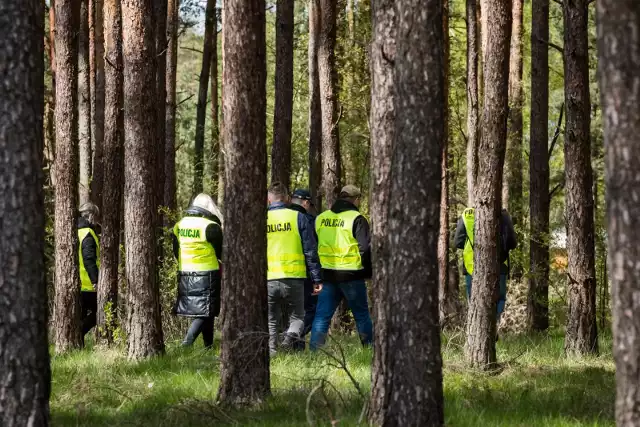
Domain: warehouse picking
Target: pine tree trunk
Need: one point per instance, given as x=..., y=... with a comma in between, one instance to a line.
x=538, y=297
x=582, y=335
x=327, y=76
x=201, y=111
x=315, y=113
x=144, y=328
x=480, y=349
x=221, y=158
x=114, y=176
x=512, y=180
x=215, y=131
x=67, y=297
x=618, y=53
x=244, y=376
x=50, y=135
x=84, y=103
x=170, y=120
x=283, y=109
x=25, y=379
x=160, y=13
x=96, y=31
x=412, y=374
x=383, y=53
x=473, y=135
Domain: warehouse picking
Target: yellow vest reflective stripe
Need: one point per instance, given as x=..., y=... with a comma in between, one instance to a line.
x=85, y=281
x=468, y=217
x=285, y=257
x=337, y=247
x=195, y=254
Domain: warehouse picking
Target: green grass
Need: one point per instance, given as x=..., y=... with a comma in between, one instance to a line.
x=537, y=387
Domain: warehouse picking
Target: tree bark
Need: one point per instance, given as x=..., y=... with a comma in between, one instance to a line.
x=619, y=53
x=67, y=297
x=221, y=161
x=84, y=103
x=582, y=335
x=328, y=79
x=412, y=374
x=480, y=349
x=25, y=377
x=144, y=328
x=170, y=120
x=160, y=12
x=201, y=111
x=244, y=376
x=512, y=181
x=283, y=109
x=383, y=54
x=473, y=136
x=96, y=31
x=113, y=166
x=215, y=131
x=538, y=296
x=315, y=113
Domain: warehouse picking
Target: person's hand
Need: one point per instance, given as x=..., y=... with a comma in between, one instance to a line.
x=317, y=288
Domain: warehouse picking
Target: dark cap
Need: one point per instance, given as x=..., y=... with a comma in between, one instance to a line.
x=301, y=194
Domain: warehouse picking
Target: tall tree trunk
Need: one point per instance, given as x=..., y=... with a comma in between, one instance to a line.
x=50, y=105
x=96, y=31
x=383, y=54
x=67, y=297
x=315, y=113
x=473, y=107
x=283, y=109
x=143, y=310
x=221, y=158
x=173, y=9
x=84, y=103
x=582, y=335
x=327, y=77
x=412, y=374
x=538, y=297
x=25, y=381
x=201, y=111
x=244, y=375
x=619, y=53
x=480, y=349
x=448, y=295
x=215, y=131
x=160, y=12
x=113, y=167
x=512, y=181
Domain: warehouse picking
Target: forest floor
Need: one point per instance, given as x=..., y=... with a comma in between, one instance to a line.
x=536, y=386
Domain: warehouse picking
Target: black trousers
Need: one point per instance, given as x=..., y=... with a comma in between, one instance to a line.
x=200, y=325
x=89, y=307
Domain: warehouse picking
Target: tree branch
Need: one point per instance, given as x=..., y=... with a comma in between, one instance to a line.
x=560, y=2
x=556, y=188
x=192, y=49
x=185, y=100
x=556, y=134
x=550, y=44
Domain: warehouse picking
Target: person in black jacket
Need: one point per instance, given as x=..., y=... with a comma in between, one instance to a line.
x=197, y=244
x=508, y=242
x=89, y=263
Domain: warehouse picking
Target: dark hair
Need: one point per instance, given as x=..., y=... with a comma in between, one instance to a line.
x=279, y=190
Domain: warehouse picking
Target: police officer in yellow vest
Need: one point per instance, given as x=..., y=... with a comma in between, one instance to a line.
x=89, y=263
x=292, y=253
x=345, y=254
x=464, y=239
x=197, y=244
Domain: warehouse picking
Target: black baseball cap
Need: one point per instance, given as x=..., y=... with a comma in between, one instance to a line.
x=301, y=193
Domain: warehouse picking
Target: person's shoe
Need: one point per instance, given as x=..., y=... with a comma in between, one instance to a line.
x=289, y=342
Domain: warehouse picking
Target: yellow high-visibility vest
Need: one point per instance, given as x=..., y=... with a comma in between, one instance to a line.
x=196, y=253
x=85, y=281
x=337, y=247
x=468, y=217
x=285, y=256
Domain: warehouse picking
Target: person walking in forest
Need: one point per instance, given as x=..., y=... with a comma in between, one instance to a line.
x=197, y=245
x=292, y=257
x=89, y=263
x=301, y=202
x=464, y=239
x=344, y=247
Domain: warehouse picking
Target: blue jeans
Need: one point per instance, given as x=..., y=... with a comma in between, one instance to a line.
x=356, y=295
x=502, y=292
